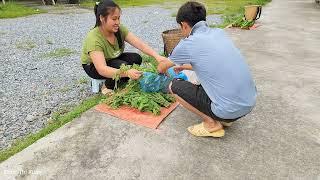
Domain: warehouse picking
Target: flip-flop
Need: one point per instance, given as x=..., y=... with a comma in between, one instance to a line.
x=199, y=130
x=106, y=91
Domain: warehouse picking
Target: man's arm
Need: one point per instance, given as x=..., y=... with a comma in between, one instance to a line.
x=178, y=69
x=187, y=67
x=180, y=55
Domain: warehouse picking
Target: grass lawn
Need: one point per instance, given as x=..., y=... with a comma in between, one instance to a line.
x=230, y=9
x=13, y=10
x=60, y=52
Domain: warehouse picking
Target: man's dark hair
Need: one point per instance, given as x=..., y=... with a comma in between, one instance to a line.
x=191, y=12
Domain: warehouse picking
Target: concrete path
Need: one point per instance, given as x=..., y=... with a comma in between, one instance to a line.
x=280, y=139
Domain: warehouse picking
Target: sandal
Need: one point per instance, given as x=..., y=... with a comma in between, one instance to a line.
x=199, y=130
x=106, y=91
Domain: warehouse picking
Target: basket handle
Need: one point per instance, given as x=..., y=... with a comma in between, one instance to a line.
x=165, y=50
x=259, y=13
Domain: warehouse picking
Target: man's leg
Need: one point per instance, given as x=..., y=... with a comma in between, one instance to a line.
x=194, y=98
x=210, y=124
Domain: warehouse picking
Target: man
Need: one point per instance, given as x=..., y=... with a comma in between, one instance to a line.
x=227, y=91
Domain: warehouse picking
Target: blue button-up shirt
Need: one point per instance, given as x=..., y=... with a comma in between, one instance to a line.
x=221, y=69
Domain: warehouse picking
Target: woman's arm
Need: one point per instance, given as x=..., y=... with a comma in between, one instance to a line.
x=107, y=71
x=142, y=46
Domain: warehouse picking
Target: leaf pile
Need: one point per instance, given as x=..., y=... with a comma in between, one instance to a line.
x=133, y=96
x=243, y=24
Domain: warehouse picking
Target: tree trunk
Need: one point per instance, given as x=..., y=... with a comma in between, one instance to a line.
x=3, y=2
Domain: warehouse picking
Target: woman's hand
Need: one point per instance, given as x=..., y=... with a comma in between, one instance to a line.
x=134, y=74
x=161, y=58
x=162, y=68
x=164, y=64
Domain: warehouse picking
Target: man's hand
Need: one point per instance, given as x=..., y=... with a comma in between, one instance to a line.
x=178, y=69
x=134, y=74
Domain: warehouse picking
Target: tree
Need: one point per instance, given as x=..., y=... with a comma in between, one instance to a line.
x=3, y=2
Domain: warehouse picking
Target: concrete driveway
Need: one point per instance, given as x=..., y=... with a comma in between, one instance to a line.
x=280, y=139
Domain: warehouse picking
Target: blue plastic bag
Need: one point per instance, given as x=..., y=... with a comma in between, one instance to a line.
x=151, y=82
x=180, y=75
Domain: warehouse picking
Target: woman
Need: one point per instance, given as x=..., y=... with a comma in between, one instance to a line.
x=102, y=53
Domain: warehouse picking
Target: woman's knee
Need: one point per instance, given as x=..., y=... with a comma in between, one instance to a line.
x=116, y=63
x=136, y=58
x=131, y=58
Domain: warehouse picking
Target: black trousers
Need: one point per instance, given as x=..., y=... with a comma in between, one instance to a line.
x=124, y=58
x=197, y=97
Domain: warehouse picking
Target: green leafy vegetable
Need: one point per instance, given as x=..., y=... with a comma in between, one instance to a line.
x=132, y=95
x=242, y=23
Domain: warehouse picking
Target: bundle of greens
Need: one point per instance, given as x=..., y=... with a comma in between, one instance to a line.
x=242, y=23
x=133, y=96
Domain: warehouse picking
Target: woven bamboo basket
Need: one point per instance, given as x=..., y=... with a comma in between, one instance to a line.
x=170, y=40
x=252, y=12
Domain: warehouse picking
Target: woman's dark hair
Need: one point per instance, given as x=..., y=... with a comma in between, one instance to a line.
x=104, y=8
x=191, y=12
